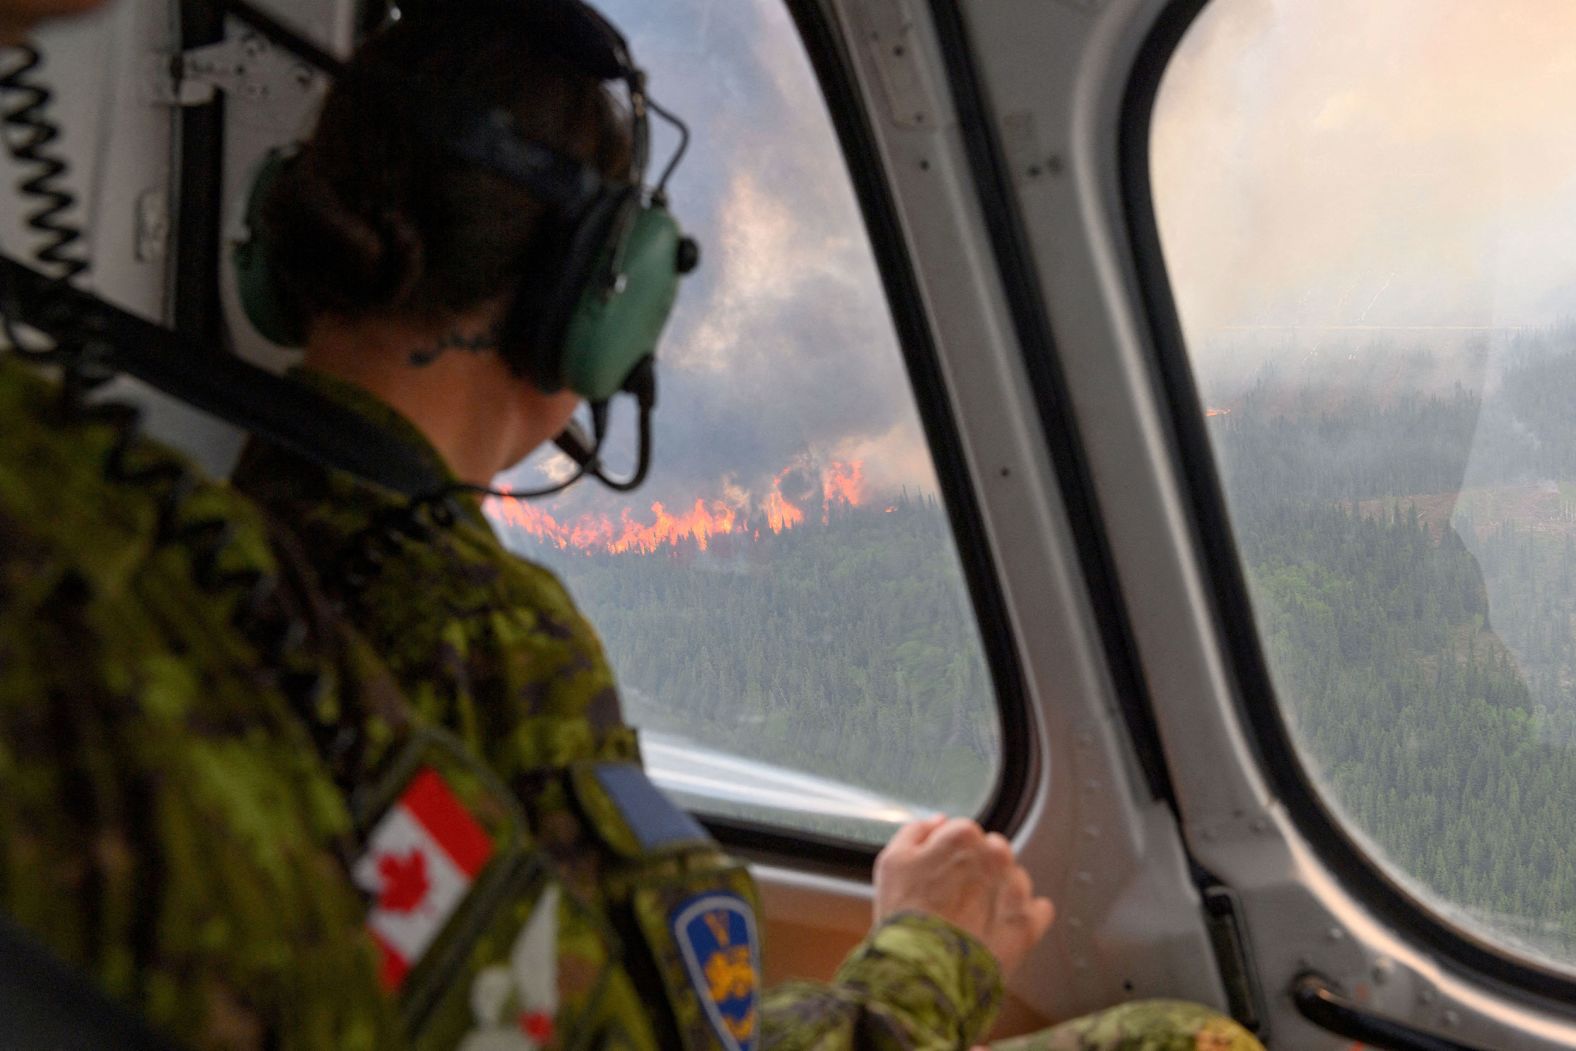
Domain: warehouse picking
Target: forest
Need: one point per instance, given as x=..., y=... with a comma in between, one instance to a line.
x=1411, y=556
x=1409, y=539
x=844, y=648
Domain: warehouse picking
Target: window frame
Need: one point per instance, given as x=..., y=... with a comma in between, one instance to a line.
x=1031, y=319
x=1008, y=802
x=1508, y=970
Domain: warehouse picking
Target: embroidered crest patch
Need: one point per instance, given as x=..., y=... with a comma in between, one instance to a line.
x=420, y=861
x=716, y=935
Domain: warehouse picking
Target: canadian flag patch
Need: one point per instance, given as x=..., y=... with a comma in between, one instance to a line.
x=421, y=859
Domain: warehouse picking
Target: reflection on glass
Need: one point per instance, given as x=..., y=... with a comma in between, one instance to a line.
x=1367, y=213
x=782, y=599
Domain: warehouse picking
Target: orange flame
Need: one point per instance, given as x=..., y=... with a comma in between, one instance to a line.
x=1217, y=412
x=699, y=524
x=844, y=483
x=533, y=520
x=706, y=520
x=780, y=514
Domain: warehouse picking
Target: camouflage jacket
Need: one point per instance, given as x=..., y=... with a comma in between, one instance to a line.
x=491, y=648
x=167, y=823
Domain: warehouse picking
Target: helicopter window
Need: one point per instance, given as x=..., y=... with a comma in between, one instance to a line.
x=1364, y=209
x=782, y=600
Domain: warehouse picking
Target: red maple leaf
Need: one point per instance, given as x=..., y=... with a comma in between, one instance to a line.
x=538, y=1025
x=405, y=882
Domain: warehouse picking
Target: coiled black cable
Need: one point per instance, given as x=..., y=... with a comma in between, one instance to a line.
x=30, y=136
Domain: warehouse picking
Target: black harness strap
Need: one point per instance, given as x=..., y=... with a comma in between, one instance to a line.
x=254, y=399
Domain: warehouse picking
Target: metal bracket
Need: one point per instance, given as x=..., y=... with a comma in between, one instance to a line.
x=245, y=67
x=890, y=34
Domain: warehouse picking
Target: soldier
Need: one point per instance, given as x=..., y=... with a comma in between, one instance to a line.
x=214, y=802
x=425, y=271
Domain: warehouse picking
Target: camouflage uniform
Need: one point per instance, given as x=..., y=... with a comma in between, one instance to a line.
x=198, y=763
x=166, y=821
x=1144, y=1025
x=491, y=648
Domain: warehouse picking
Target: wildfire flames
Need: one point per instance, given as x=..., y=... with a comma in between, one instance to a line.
x=841, y=484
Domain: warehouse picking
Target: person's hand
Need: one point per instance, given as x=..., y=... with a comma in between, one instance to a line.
x=953, y=869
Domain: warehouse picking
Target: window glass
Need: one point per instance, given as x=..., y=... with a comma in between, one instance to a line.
x=1368, y=213
x=782, y=600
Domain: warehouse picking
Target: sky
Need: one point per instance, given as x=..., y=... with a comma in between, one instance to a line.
x=1315, y=163
x=1395, y=163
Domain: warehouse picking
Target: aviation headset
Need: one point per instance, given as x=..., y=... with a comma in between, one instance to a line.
x=595, y=330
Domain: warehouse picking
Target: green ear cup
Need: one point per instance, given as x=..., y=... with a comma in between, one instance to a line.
x=255, y=279
x=611, y=332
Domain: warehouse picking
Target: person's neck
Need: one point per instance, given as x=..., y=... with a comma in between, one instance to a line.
x=446, y=381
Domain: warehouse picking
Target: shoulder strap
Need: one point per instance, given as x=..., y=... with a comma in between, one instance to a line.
x=254, y=399
x=45, y=1004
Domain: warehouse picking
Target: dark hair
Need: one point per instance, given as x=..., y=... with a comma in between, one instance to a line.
x=372, y=218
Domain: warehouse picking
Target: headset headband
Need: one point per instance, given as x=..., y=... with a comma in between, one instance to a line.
x=487, y=136
x=491, y=140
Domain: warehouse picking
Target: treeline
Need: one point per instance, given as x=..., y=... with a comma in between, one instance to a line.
x=1272, y=457
x=1304, y=440
x=846, y=649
